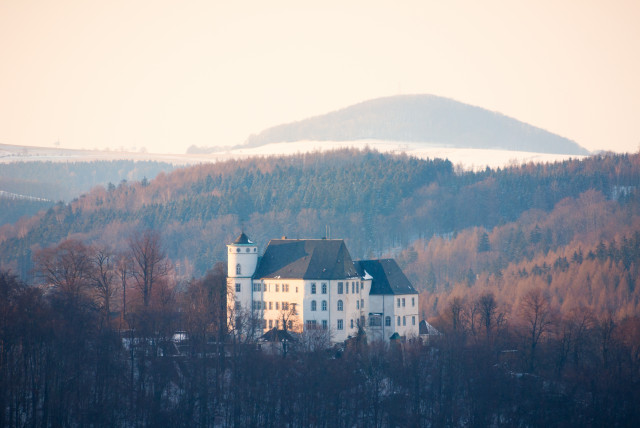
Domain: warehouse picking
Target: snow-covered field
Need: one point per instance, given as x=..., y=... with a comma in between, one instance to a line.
x=466, y=158
x=474, y=159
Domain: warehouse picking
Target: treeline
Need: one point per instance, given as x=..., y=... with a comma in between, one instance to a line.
x=97, y=347
x=375, y=202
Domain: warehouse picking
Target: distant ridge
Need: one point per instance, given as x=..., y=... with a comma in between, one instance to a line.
x=421, y=118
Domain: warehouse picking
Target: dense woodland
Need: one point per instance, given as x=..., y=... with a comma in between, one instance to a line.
x=529, y=272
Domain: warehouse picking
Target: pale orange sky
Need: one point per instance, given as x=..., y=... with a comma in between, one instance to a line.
x=168, y=74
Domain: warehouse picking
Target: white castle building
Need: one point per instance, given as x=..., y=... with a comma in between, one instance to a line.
x=314, y=284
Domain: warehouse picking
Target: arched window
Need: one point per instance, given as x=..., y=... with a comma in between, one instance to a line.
x=387, y=321
x=238, y=269
x=340, y=305
x=324, y=305
x=313, y=305
x=324, y=288
x=313, y=288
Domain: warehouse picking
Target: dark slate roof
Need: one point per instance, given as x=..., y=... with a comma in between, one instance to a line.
x=276, y=335
x=388, y=278
x=243, y=240
x=306, y=259
x=425, y=328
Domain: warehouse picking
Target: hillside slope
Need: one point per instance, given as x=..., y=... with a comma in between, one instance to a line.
x=421, y=118
x=376, y=202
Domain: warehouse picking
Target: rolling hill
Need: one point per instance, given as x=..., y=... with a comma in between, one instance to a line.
x=429, y=119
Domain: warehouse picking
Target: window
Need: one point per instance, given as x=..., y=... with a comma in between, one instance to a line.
x=277, y=323
x=277, y=306
x=256, y=286
x=293, y=308
x=357, y=304
x=340, y=285
x=353, y=287
x=313, y=305
x=237, y=287
x=375, y=321
x=248, y=250
x=404, y=320
x=361, y=303
x=324, y=324
x=270, y=323
x=347, y=287
x=413, y=301
x=340, y=325
x=313, y=288
x=398, y=302
x=238, y=306
x=277, y=288
x=238, y=269
x=358, y=287
x=340, y=305
x=296, y=289
x=413, y=320
x=324, y=305
x=285, y=288
x=403, y=302
x=270, y=305
x=387, y=321
x=285, y=306
x=311, y=324
x=257, y=304
x=351, y=323
x=324, y=288
x=399, y=322
x=264, y=323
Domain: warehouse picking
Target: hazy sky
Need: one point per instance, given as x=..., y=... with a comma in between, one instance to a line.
x=169, y=74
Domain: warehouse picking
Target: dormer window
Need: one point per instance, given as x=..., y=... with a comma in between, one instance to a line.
x=238, y=269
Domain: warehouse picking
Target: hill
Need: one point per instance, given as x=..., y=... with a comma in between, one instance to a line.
x=530, y=273
x=426, y=119
x=377, y=202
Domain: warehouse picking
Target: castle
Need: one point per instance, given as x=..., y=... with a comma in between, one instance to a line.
x=305, y=284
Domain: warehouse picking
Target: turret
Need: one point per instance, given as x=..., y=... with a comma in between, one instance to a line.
x=242, y=257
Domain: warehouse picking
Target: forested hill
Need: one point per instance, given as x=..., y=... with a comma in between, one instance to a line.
x=421, y=118
x=376, y=202
x=27, y=187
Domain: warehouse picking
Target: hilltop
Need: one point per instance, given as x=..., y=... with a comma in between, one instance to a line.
x=428, y=119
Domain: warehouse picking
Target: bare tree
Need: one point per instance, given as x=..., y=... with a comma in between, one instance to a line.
x=535, y=310
x=490, y=316
x=66, y=267
x=149, y=261
x=124, y=268
x=103, y=274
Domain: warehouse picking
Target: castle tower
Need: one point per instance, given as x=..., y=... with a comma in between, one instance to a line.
x=241, y=265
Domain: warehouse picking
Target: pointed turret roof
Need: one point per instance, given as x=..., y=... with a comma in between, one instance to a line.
x=243, y=240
